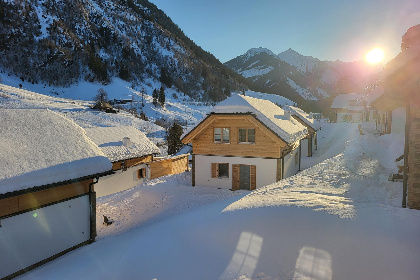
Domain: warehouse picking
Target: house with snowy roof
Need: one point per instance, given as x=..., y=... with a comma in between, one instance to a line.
x=129, y=150
x=310, y=143
x=245, y=143
x=349, y=107
x=47, y=201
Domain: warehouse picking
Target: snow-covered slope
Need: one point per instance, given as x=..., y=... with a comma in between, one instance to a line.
x=340, y=219
x=177, y=108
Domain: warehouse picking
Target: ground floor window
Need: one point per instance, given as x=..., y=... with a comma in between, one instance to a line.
x=141, y=173
x=220, y=170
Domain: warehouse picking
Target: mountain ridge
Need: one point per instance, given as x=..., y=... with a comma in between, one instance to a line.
x=303, y=79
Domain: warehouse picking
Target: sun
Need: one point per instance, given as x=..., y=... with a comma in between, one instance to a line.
x=375, y=56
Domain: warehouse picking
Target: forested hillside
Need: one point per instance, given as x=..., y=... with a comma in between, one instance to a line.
x=59, y=43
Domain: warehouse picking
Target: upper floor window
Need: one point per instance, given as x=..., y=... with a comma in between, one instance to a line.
x=221, y=135
x=246, y=135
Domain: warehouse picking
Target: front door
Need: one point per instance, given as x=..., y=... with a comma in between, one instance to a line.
x=244, y=177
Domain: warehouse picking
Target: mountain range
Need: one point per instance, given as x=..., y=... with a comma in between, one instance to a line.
x=303, y=79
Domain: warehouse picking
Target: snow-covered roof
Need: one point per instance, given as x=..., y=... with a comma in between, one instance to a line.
x=305, y=117
x=110, y=140
x=265, y=111
x=348, y=101
x=39, y=147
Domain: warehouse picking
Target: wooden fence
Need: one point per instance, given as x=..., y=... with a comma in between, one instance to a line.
x=168, y=166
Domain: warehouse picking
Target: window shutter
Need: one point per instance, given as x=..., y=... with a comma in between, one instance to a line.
x=214, y=170
x=235, y=177
x=253, y=177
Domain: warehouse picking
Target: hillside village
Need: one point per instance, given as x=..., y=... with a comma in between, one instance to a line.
x=147, y=158
x=126, y=196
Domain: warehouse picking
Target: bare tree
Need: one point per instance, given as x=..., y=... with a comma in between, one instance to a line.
x=102, y=96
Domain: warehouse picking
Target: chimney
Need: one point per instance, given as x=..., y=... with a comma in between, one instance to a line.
x=126, y=142
x=287, y=115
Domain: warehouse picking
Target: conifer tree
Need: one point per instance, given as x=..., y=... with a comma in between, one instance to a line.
x=161, y=96
x=155, y=96
x=174, y=138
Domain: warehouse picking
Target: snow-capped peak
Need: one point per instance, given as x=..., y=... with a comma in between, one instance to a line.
x=301, y=62
x=255, y=51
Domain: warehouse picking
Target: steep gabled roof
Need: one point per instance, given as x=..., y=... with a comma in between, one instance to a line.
x=268, y=113
x=110, y=140
x=39, y=147
x=344, y=100
x=305, y=117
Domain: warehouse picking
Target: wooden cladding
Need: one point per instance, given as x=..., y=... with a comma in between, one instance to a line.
x=168, y=166
x=214, y=170
x=27, y=201
x=253, y=177
x=413, y=194
x=267, y=144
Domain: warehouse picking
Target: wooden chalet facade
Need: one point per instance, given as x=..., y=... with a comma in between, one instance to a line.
x=390, y=114
x=47, y=196
x=239, y=147
x=400, y=80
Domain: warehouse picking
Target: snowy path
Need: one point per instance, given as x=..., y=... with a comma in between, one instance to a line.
x=357, y=174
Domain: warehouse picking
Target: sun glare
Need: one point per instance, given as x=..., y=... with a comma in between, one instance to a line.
x=375, y=56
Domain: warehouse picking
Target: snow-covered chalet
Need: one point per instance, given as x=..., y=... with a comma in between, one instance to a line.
x=245, y=143
x=47, y=199
x=349, y=107
x=129, y=150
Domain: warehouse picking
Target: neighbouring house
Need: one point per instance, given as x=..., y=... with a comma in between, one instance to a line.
x=390, y=114
x=129, y=150
x=47, y=199
x=104, y=106
x=349, y=107
x=400, y=80
x=310, y=143
x=245, y=143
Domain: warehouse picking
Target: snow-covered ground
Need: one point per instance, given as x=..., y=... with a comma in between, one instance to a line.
x=340, y=218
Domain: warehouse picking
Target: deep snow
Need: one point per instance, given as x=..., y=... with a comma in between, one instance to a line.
x=339, y=219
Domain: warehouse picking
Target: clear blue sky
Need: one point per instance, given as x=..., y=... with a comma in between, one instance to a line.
x=325, y=29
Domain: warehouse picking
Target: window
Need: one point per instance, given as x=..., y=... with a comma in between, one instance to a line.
x=221, y=135
x=141, y=173
x=220, y=170
x=246, y=135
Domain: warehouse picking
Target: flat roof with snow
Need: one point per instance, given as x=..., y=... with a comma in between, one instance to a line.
x=110, y=140
x=349, y=101
x=305, y=117
x=40, y=147
x=265, y=111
